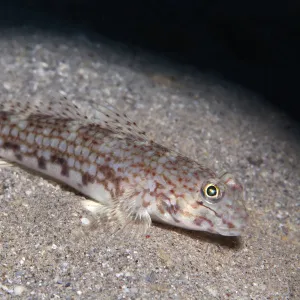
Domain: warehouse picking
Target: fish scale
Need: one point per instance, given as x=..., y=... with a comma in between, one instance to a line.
x=129, y=178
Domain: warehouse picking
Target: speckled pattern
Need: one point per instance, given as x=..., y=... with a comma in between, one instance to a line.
x=109, y=159
x=51, y=248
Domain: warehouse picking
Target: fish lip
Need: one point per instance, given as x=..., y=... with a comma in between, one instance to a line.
x=235, y=223
x=229, y=233
x=225, y=231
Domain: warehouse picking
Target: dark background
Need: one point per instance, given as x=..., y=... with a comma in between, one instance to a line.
x=253, y=43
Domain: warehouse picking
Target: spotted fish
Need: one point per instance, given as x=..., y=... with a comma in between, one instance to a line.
x=129, y=178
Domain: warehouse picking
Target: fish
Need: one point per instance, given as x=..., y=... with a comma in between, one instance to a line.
x=126, y=177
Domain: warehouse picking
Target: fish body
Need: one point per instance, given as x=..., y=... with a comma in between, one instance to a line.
x=101, y=153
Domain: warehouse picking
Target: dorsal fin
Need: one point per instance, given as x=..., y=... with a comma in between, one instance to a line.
x=104, y=115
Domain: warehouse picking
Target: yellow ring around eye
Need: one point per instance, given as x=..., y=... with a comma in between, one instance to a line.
x=211, y=191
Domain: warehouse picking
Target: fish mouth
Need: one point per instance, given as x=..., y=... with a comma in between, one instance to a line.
x=225, y=232
x=229, y=225
x=233, y=228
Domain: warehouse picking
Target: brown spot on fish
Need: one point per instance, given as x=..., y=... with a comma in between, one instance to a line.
x=119, y=190
x=19, y=156
x=199, y=220
x=62, y=162
x=57, y=160
x=173, y=209
x=11, y=146
x=109, y=173
x=4, y=116
x=65, y=169
x=87, y=178
x=42, y=163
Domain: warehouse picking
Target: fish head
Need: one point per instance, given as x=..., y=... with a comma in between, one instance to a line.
x=216, y=205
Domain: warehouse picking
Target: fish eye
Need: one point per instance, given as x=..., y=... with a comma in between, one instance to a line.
x=211, y=191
